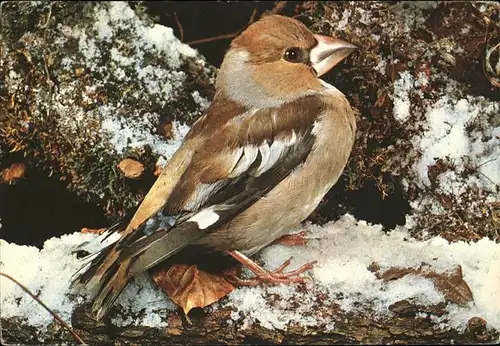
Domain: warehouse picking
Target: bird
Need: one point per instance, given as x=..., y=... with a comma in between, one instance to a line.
x=272, y=143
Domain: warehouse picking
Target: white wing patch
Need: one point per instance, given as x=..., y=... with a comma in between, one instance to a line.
x=203, y=191
x=236, y=157
x=205, y=218
x=265, y=154
x=273, y=154
x=292, y=139
x=249, y=155
x=270, y=155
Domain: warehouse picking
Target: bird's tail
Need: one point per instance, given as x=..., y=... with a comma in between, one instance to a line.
x=112, y=267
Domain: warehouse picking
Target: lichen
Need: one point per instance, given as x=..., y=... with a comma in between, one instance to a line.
x=411, y=55
x=70, y=68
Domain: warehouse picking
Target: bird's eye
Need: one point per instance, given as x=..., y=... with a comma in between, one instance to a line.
x=295, y=55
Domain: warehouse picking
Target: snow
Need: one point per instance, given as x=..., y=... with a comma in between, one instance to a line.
x=463, y=130
x=123, y=135
x=364, y=16
x=342, y=24
x=381, y=66
x=132, y=55
x=457, y=135
x=200, y=100
x=49, y=274
x=402, y=87
x=150, y=310
x=446, y=135
x=253, y=304
x=344, y=250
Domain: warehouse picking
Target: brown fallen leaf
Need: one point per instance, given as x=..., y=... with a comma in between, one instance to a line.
x=91, y=230
x=168, y=130
x=131, y=168
x=190, y=287
x=395, y=273
x=158, y=169
x=450, y=284
x=79, y=71
x=14, y=172
x=174, y=324
x=374, y=267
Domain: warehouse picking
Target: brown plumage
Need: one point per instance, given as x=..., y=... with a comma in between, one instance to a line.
x=273, y=142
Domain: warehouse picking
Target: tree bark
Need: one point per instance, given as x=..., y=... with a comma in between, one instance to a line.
x=403, y=327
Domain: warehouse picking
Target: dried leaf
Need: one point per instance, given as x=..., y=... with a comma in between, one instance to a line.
x=374, y=267
x=403, y=308
x=168, y=130
x=131, y=168
x=451, y=285
x=79, y=71
x=453, y=237
x=491, y=65
x=190, y=287
x=395, y=273
x=91, y=230
x=174, y=326
x=476, y=325
x=12, y=173
x=158, y=169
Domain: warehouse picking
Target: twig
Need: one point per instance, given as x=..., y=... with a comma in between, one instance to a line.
x=487, y=161
x=56, y=316
x=224, y=36
x=252, y=16
x=45, y=26
x=278, y=7
x=484, y=175
x=181, y=30
x=215, y=38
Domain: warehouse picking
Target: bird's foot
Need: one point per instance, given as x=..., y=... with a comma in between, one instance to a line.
x=265, y=276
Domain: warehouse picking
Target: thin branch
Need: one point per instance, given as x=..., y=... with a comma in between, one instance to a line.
x=252, y=17
x=278, y=7
x=179, y=26
x=484, y=175
x=215, y=38
x=487, y=161
x=224, y=36
x=56, y=316
x=46, y=25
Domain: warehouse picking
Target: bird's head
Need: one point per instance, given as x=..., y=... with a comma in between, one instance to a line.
x=277, y=59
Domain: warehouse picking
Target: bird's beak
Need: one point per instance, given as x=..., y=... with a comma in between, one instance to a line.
x=329, y=52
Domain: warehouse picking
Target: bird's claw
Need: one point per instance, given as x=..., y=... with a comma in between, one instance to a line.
x=274, y=277
x=296, y=239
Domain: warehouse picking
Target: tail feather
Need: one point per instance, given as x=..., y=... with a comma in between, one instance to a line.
x=92, y=264
x=167, y=246
x=111, y=286
x=111, y=269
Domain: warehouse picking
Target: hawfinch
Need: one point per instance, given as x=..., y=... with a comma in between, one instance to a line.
x=273, y=142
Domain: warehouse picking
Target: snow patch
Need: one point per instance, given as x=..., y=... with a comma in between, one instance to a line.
x=344, y=251
x=447, y=135
x=123, y=134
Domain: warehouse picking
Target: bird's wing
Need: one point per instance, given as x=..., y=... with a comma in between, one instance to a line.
x=237, y=164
